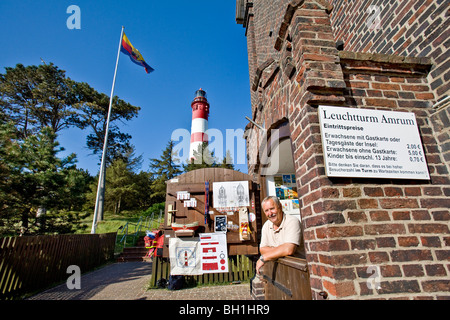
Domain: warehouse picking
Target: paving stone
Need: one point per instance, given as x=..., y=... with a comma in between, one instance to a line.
x=128, y=281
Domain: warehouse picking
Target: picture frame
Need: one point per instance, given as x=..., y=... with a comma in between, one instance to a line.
x=220, y=224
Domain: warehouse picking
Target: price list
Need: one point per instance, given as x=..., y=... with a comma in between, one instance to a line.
x=415, y=153
x=370, y=143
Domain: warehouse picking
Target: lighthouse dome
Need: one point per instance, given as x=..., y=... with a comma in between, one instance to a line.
x=200, y=93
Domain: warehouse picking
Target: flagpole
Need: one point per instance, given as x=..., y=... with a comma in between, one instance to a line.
x=101, y=176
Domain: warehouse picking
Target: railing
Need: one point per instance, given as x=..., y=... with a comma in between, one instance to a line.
x=141, y=225
x=123, y=232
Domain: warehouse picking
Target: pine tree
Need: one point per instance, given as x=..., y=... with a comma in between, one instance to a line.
x=33, y=178
x=202, y=158
x=34, y=97
x=227, y=161
x=119, y=184
x=38, y=96
x=162, y=170
x=92, y=112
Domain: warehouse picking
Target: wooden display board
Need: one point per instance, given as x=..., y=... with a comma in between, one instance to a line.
x=193, y=182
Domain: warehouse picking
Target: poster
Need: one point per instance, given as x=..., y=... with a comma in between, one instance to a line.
x=185, y=258
x=220, y=223
x=231, y=194
x=367, y=143
x=214, y=253
x=196, y=256
x=284, y=187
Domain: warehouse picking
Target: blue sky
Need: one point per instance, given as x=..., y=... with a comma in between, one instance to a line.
x=190, y=44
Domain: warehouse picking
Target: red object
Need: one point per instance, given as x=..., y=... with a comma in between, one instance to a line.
x=199, y=136
x=209, y=243
x=159, y=245
x=200, y=105
x=190, y=226
x=148, y=241
x=155, y=245
x=210, y=266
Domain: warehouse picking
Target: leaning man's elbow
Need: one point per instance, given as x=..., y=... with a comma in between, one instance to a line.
x=291, y=250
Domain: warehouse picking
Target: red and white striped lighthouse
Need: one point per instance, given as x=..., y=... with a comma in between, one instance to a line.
x=200, y=114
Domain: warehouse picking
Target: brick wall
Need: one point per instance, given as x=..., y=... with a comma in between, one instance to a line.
x=262, y=19
x=418, y=28
x=261, y=26
x=355, y=230
x=397, y=228
x=441, y=127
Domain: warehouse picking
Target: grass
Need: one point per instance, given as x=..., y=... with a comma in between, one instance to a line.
x=112, y=222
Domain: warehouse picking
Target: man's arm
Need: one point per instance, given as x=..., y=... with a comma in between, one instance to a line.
x=273, y=253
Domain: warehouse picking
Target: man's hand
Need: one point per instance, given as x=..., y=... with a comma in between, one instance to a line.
x=259, y=265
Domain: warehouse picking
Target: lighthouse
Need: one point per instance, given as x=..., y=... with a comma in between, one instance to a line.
x=200, y=114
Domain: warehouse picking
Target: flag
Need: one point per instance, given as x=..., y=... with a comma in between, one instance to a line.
x=135, y=56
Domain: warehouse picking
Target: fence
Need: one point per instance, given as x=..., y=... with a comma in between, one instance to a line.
x=241, y=268
x=286, y=279
x=32, y=263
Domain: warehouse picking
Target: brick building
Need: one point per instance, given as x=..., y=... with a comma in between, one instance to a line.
x=360, y=54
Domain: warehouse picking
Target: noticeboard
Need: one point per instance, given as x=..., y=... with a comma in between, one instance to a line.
x=367, y=143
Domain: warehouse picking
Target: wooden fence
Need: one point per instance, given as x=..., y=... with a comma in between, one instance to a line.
x=240, y=268
x=286, y=279
x=32, y=263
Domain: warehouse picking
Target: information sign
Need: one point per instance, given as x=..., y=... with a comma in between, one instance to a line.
x=367, y=143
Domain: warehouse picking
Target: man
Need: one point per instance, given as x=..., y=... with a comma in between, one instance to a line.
x=281, y=233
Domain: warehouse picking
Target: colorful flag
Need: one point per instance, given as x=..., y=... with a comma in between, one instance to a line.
x=134, y=54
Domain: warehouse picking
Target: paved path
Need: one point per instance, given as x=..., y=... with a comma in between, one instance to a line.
x=128, y=281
